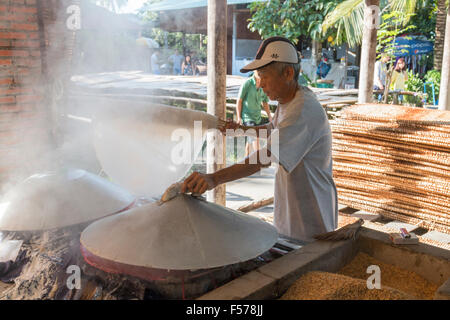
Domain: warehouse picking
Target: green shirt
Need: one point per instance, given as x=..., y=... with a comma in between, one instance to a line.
x=252, y=100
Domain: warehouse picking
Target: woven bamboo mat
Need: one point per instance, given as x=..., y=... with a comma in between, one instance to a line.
x=431, y=205
x=396, y=114
x=394, y=164
x=392, y=150
x=390, y=212
x=428, y=186
x=410, y=208
x=394, y=161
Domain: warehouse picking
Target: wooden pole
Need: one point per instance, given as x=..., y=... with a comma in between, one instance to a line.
x=217, y=73
x=368, y=51
x=444, y=93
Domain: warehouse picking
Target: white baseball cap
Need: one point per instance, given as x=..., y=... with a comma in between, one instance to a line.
x=273, y=49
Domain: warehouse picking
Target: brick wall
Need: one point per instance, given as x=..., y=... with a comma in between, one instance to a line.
x=23, y=117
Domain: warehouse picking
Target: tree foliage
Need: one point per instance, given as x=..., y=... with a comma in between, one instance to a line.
x=193, y=43
x=291, y=18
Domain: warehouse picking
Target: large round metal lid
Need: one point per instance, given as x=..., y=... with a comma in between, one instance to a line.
x=59, y=199
x=182, y=234
x=147, y=147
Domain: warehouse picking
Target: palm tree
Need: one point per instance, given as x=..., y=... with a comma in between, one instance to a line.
x=440, y=33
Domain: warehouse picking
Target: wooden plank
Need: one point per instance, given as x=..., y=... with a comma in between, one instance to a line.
x=256, y=205
x=216, y=94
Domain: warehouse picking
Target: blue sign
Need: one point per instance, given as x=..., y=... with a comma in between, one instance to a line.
x=412, y=46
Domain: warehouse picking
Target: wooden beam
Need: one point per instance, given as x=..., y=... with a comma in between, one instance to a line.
x=368, y=51
x=216, y=96
x=444, y=94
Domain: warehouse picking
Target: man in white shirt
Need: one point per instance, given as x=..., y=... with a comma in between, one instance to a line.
x=154, y=61
x=379, y=75
x=176, y=60
x=305, y=197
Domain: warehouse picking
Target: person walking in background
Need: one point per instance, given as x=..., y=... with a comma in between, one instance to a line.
x=188, y=67
x=250, y=100
x=154, y=61
x=379, y=76
x=399, y=77
x=176, y=59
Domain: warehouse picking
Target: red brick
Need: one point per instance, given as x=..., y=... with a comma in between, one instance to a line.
x=24, y=26
x=33, y=35
x=24, y=99
x=24, y=9
x=7, y=81
x=25, y=43
x=17, y=53
x=15, y=90
x=18, y=1
x=27, y=62
x=13, y=35
x=31, y=2
x=19, y=17
x=17, y=108
x=36, y=53
x=5, y=43
x=7, y=99
x=5, y=62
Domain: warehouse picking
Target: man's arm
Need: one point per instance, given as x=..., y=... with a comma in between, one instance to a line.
x=199, y=183
x=267, y=109
x=239, y=110
x=261, y=131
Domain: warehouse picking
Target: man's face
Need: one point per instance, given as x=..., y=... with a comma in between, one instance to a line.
x=257, y=79
x=272, y=83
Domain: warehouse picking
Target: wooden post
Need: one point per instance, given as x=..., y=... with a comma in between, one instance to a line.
x=217, y=76
x=368, y=51
x=444, y=93
x=315, y=56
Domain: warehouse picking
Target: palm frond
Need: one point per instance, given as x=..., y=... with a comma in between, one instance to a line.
x=408, y=7
x=349, y=17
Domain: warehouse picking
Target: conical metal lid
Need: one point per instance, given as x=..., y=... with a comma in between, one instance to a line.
x=59, y=199
x=182, y=234
x=146, y=147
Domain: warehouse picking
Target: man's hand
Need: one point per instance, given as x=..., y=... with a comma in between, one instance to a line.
x=198, y=183
x=229, y=124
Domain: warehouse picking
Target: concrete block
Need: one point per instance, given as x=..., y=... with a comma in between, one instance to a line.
x=396, y=225
x=443, y=292
x=367, y=216
x=437, y=236
x=253, y=285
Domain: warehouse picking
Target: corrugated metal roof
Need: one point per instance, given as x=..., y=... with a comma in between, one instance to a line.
x=188, y=4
